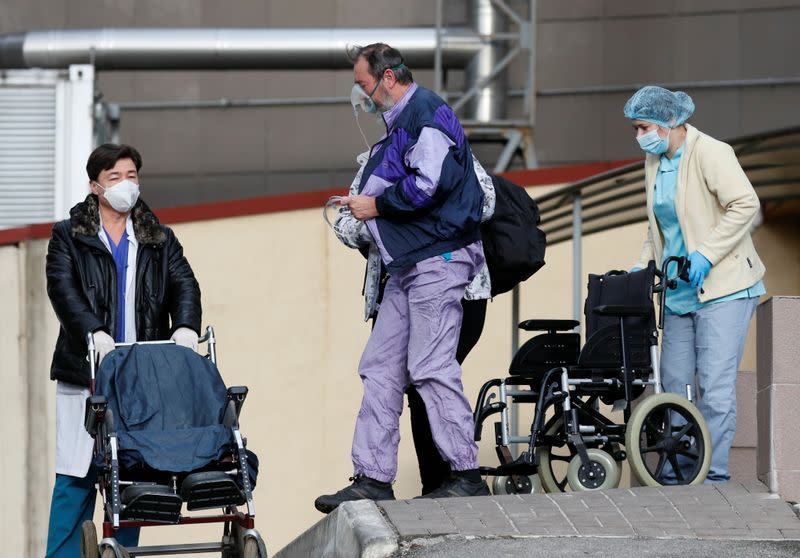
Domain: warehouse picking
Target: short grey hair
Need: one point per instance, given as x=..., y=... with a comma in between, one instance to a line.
x=381, y=57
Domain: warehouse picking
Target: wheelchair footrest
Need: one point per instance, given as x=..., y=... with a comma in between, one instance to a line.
x=151, y=502
x=515, y=468
x=210, y=489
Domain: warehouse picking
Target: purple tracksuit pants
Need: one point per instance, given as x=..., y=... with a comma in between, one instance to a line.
x=414, y=342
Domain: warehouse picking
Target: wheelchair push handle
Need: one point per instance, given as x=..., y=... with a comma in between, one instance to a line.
x=671, y=283
x=208, y=337
x=683, y=273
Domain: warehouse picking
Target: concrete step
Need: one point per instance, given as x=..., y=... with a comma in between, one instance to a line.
x=726, y=518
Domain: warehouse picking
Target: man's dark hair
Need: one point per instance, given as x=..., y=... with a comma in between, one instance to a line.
x=381, y=57
x=107, y=155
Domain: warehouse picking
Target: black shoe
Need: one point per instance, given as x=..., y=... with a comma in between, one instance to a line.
x=459, y=486
x=363, y=488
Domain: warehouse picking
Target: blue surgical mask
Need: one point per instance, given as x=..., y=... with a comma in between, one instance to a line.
x=651, y=142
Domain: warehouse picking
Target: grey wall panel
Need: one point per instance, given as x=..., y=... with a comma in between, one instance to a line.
x=693, y=6
x=574, y=9
x=701, y=55
x=638, y=50
x=767, y=108
x=718, y=113
x=770, y=43
x=242, y=14
x=199, y=154
x=570, y=54
x=637, y=8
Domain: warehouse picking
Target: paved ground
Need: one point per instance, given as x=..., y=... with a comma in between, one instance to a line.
x=593, y=547
x=729, y=511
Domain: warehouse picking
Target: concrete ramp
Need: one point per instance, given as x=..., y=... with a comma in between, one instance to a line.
x=709, y=520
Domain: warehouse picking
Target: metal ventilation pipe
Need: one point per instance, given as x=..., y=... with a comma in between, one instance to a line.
x=490, y=102
x=229, y=49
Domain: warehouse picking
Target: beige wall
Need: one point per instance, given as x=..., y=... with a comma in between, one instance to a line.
x=284, y=297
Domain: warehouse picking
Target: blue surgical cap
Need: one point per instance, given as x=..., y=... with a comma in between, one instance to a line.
x=659, y=106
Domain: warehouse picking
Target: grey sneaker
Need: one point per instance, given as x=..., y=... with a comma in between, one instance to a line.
x=459, y=486
x=363, y=488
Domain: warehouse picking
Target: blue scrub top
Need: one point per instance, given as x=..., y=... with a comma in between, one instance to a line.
x=120, y=254
x=683, y=299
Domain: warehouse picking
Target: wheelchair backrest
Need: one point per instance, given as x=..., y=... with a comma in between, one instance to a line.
x=602, y=346
x=541, y=353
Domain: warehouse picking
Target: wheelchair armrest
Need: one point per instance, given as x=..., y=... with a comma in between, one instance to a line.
x=548, y=325
x=95, y=414
x=235, y=397
x=622, y=311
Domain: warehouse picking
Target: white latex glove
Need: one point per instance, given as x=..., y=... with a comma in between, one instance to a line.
x=185, y=337
x=103, y=344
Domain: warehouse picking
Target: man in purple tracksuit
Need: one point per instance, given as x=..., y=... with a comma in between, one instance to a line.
x=421, y=201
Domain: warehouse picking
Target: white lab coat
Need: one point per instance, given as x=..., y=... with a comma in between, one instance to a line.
x=73, y=443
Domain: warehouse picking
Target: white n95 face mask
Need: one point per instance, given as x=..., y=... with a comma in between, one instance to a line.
x=121, y=196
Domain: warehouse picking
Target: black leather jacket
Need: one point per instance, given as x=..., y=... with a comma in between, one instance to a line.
x=81, y=284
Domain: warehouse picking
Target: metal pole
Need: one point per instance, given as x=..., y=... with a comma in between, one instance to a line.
x=576, y=257
x=624, y=88
x=502, y=164
x=486, y=85
x=514, y=139
x=514, y=320
x=225, y=103
x=438, y=82
x=483, y=85
x=530, y=94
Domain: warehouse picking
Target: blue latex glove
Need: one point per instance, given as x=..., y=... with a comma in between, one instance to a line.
x=699, y=267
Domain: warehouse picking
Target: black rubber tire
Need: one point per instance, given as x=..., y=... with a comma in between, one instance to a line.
x=650, y=415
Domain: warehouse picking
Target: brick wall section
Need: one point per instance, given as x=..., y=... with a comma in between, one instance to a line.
x=778, y=395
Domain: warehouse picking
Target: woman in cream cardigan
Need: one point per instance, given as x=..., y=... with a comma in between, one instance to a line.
x=700, y=205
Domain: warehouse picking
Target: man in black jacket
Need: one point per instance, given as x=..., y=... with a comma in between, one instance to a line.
x=115, y=272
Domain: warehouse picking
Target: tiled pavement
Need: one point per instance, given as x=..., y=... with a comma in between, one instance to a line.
x=729, y=511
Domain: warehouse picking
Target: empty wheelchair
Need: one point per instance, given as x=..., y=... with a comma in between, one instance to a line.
x=572, y=444
x=167, y=436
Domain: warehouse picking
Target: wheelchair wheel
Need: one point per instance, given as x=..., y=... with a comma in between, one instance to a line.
x=553, y=460
x=251, y=549
x=666, y=429
x=89, y=547
x=505, y=485
x=603, y=472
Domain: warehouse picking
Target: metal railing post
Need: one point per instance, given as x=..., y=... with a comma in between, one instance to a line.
x=577, y=256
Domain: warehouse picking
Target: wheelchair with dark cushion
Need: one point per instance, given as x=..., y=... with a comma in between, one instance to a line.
x=166, y=433
x=572, y=445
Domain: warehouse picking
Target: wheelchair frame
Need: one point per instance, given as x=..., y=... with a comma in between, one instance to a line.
x=239, y=527
x=558, y=388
